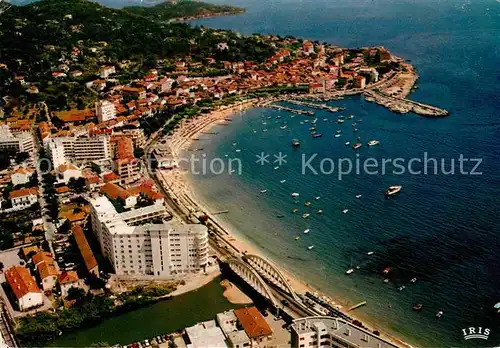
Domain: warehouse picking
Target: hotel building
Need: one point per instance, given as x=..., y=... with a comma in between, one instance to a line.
x=162, y=250
x=79, y=149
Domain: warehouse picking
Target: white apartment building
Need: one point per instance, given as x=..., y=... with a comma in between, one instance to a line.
x=105, y=111
x=19, y=142
x=79, y=149
x=166, y=250
x=322, y=332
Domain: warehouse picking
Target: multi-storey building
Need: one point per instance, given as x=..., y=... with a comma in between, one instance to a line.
x=126, y=165
x=323, y=332
x=105, y=111
x=79, y=149
x=19, y=142
x=136, y=134
x=164, y=250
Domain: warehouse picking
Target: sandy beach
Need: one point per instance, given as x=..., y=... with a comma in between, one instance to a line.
x=176, y=182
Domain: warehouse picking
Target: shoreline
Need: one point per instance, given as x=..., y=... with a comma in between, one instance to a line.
x=180, y=187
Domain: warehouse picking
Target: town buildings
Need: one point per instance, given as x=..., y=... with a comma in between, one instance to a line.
x=164, y=250
x=24, y=287
x=322, y=331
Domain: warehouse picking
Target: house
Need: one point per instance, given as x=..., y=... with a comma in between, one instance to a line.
x=44, y=264
x=68, y=280
x=316, y=88
x=114, y=192
x=92, y=182
x=134, y=92
x=24, y=287
x=359, y=81
x=48, y=275
x=23, y=198
x=105, y=71
x=255, y=326
x=21, y=176
x=308, y=47
x=67, y=171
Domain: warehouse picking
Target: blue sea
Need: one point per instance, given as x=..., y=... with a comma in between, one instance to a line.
x=441, y=229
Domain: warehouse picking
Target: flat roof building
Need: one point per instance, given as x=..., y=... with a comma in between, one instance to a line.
x=206, y=334
x=322, y=331
x=166, y=250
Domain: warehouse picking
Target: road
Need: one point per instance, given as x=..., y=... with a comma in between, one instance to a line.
x=49, y=227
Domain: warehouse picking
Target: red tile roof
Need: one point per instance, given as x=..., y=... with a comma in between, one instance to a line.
x=83, y=245
x=253, y=322
x=125, y=148
x=21, y=281
x=46, y=269
x=42, y=256
x=68, y=277
x=23, y=192
x=108, y=177
x=114, y=191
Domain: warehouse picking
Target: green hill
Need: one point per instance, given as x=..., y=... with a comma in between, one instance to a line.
x=184, y=9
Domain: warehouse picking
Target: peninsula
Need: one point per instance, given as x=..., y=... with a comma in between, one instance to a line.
x=108, y=99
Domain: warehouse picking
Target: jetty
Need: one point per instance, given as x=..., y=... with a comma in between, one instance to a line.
x=361, y=304
x=295, y=111
x=221, y=212
x=315, y=105
x=403, y=105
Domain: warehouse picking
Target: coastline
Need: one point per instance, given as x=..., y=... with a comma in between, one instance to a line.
x=179, y=185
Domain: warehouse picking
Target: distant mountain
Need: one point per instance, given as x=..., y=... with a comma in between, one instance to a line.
x=114, y=3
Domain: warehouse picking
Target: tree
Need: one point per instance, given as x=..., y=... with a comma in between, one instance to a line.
x=138, y=152
x=77, y=185
x=76, y=294
x=22, y=156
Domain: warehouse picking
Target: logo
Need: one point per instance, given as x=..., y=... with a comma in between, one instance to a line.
x=472, y=333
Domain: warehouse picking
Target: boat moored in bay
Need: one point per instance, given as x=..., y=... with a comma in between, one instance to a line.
x=392, y=190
